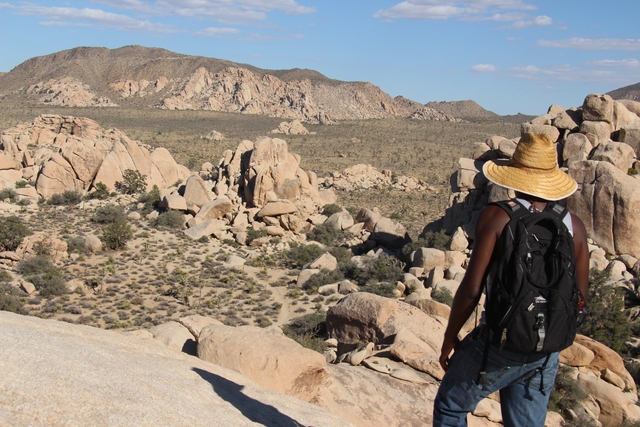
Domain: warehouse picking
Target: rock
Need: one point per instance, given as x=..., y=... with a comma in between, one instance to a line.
x=325, y=261
x=568, y=120
x=175, y=336
x=340, y=220
x=417, y=354
x=576, y=355
x=135, y=379
x=630, y=135
x=369, y=398
x=215, y=209
x=277, y=208
x=174, y=202
x=435, y=276
x=618, y=154
x=92, y=243
x=195, y=323
x=273, y=361
x=458, y=241
x=605, y=358
x=596, y=132
x=470, y=175
x=576, y=148
x=346, y=287
x=428, y=258
x=615, y=406
x=364, y=317
x=548, y=130
x=608, y=203
x=205, y=228
x=133, y=216
x=305, y=275
x=597, y=107
x=195, y=191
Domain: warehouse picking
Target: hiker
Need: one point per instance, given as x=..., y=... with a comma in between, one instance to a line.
x=524, y=379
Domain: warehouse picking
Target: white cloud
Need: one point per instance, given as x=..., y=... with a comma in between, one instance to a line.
x=223, y=11
x=218, y=32
x=483, y=68
x=586, y=73
x=445, y=9
x=538, y=21
x=592, y=44
x=3, y=5
x=95, y=16
x=633, y=63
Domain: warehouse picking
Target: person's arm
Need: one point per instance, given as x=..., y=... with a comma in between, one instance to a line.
x=582, y=255
x=488, y=229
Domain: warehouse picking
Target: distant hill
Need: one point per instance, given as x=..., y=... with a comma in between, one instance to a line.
x=142, y=77
x=631, y=92
x=463, y=109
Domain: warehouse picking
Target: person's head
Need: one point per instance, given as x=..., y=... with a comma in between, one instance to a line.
x=533, y=170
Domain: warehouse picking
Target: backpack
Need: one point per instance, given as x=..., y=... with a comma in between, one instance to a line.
x=532, y=306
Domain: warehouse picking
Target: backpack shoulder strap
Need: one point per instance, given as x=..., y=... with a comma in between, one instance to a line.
x=557, y=210
x=513, y=207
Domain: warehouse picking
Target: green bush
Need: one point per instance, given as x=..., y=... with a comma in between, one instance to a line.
x=10, y=299
x=253, y=234
x=170, y=219
x=150, y=199
x=331, y=209
x=442, y=295
x=100, y=192
x=45, y=276
x=632, y=171
x=8, y=193
x=566, y=393
x=310, y=330
x=326, y=234
x=76, y=245
x=21, y=184
x=133, y=182
x=117, y=234
x=382, y=289
x=341, y=254
x=385, y=268
x=69, y=197
x=300, y=255
x=12, y=231
x=109, y=214
x=606, y=321
x=324, y=277
x=5, y=276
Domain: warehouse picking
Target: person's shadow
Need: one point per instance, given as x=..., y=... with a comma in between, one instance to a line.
x=252, y=409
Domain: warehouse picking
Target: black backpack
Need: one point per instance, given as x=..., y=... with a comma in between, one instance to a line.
x=532, y=305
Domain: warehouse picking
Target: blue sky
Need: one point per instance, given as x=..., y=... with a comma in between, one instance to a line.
x=510, y=56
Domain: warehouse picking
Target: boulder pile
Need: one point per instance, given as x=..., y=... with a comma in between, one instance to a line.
x=364, y=177
x=63, y=153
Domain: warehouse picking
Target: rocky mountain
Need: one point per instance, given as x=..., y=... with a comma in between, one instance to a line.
x=631, y=92
x=138, y=76
x=463, y=109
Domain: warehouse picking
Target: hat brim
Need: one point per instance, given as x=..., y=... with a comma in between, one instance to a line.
x=546, y=184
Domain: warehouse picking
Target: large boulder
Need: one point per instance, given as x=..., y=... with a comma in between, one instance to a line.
x=273, y=361
x=85, y=376
x=608, y=202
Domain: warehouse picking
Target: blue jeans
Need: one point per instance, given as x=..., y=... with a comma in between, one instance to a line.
x=519, y=377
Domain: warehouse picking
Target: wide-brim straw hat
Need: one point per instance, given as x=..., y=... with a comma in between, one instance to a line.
x=533, y=170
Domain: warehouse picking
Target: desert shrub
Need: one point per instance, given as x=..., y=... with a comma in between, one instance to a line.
x=100, y=192
x=566, y=393
x=45, y=276
x=109, y=214
x=298, y=256
x=350, y=270
x=341, y=254
x=255, y=234
x=330, y=209
x=606, y=321
x=632, y=171
x=75, y=245
x=5, y=276
x=117, y=234
x=133, y=182
x=150, y=199
x=324, y=277
x=309, y=331
x=382, y=289
x=21, y=184
x=8, y=193
x=326, y=234
x=384, y=269
x=10, y=299
x=69, y=197
x=442, y=295
x=170, y=219
x=12, y=231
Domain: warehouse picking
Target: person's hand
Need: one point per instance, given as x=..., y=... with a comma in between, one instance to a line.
x=448, y=345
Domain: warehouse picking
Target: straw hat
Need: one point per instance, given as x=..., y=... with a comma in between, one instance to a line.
x=533, y=170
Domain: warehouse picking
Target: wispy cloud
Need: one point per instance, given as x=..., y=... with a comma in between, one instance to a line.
x=460, y=9
x=596, y=72
x=483, y=68
x=592, y=44
x=218, y=32
x=538, y=21
x=624, y=63
x=3, y=5
x=104, y=19
x=223, y=11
